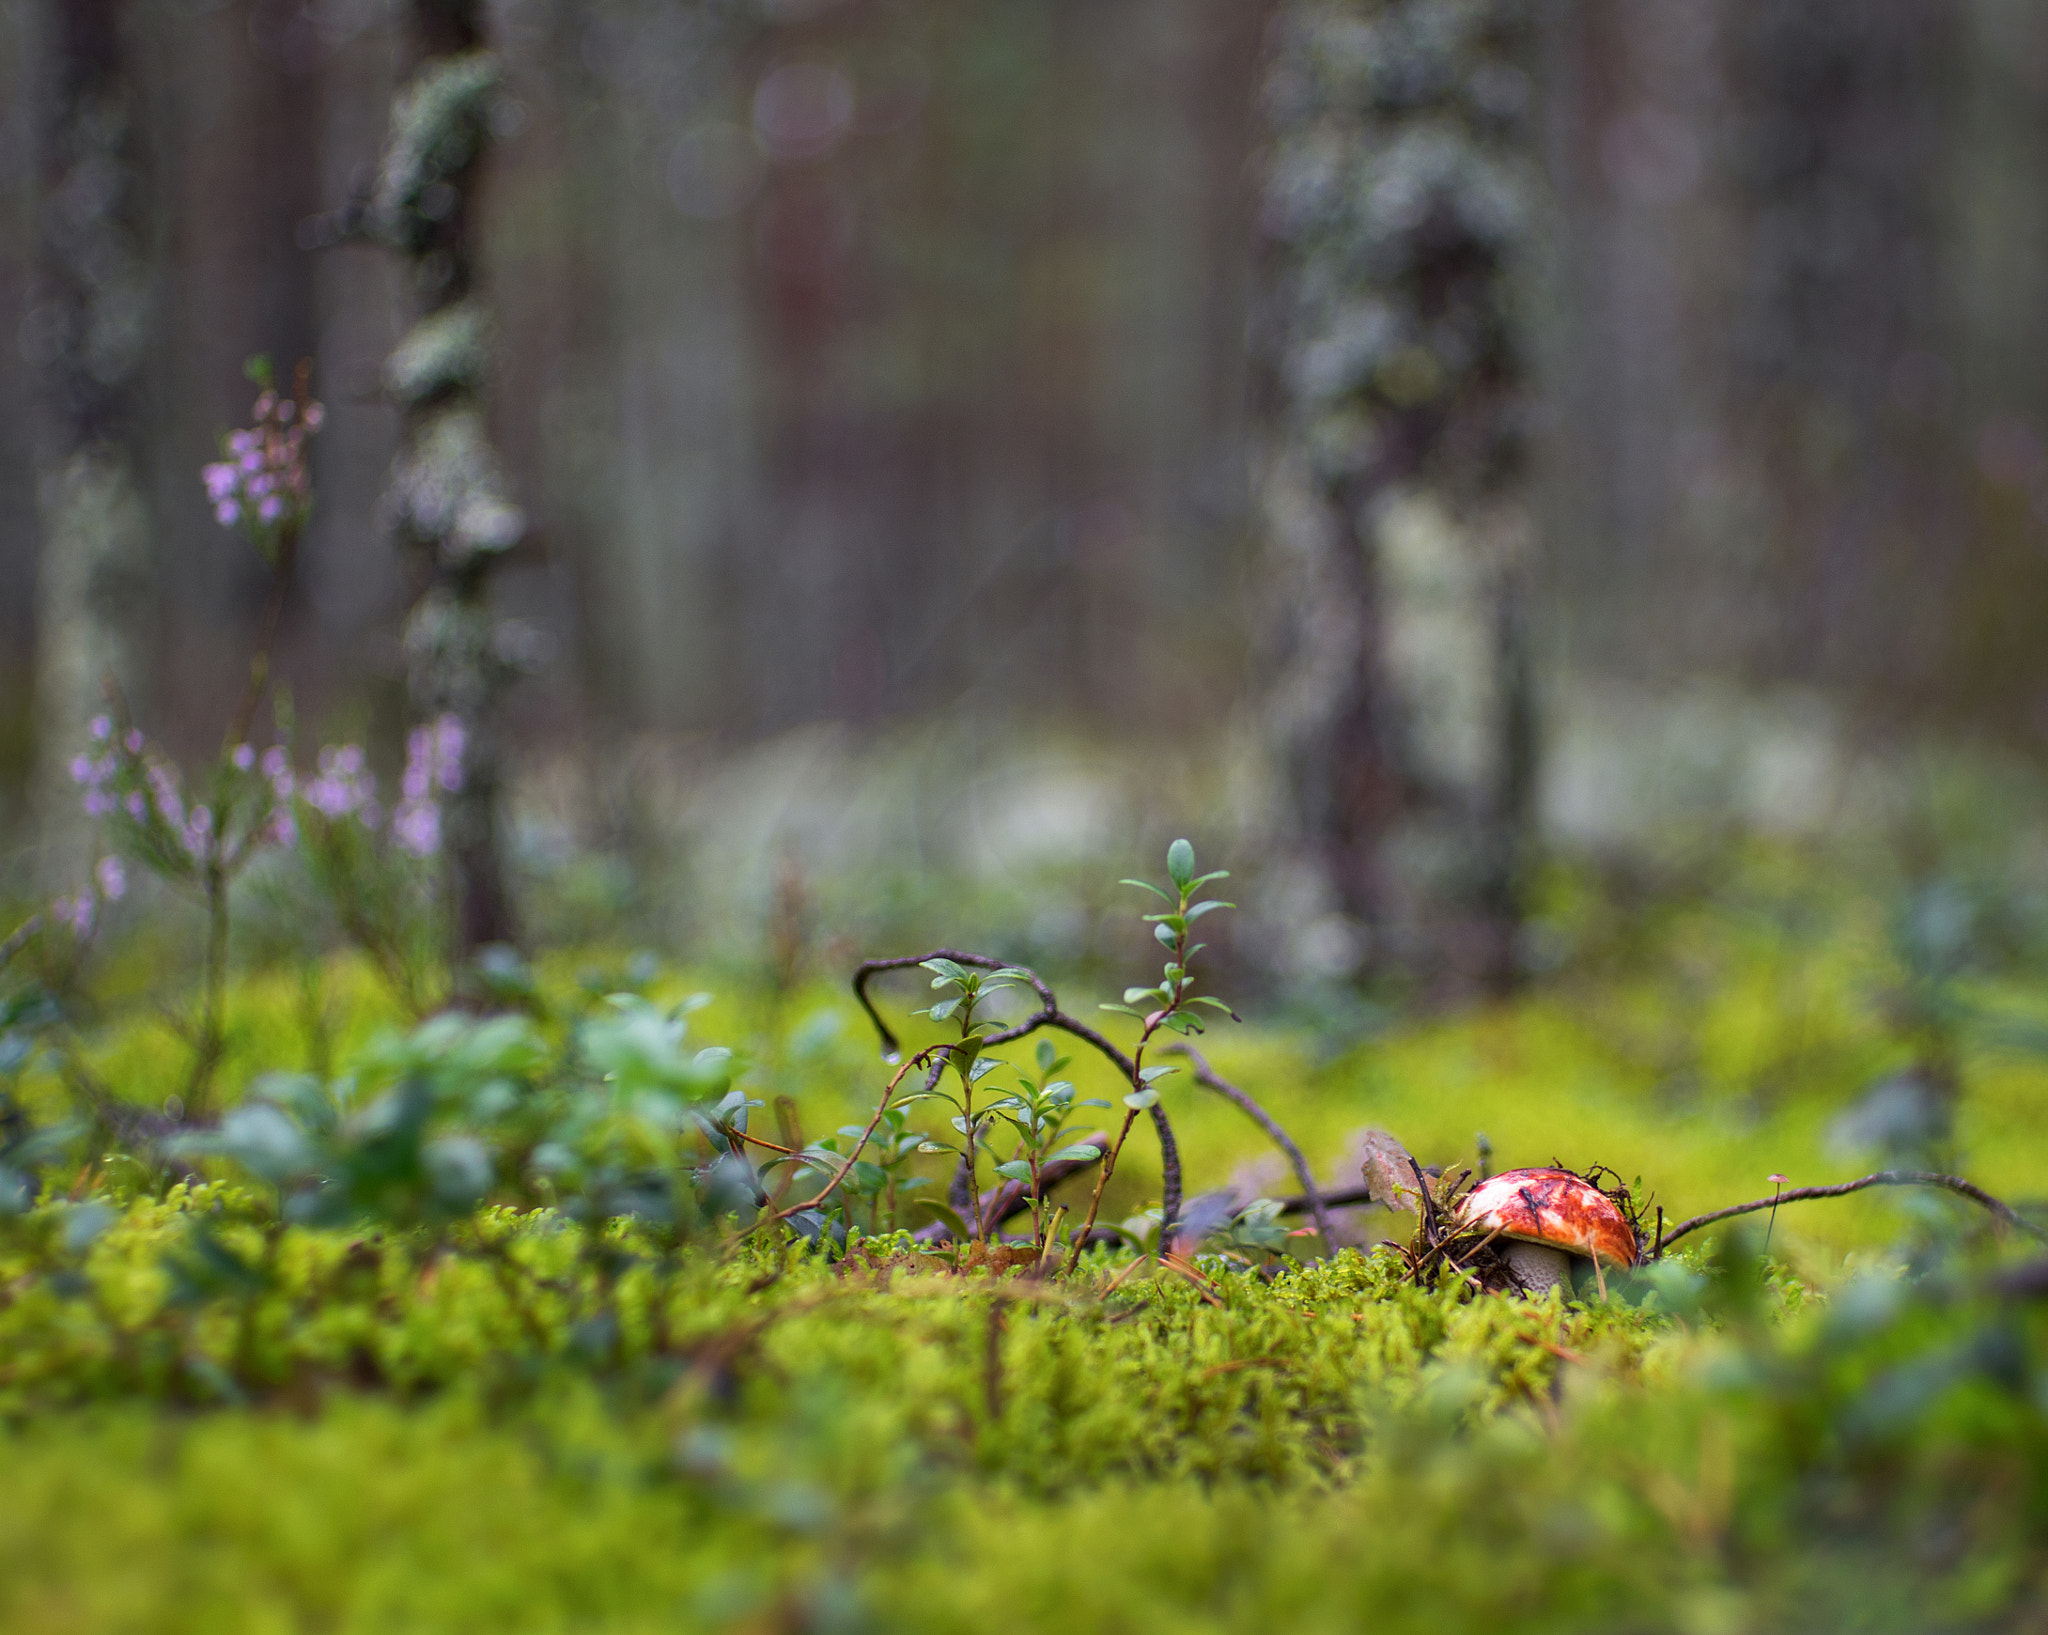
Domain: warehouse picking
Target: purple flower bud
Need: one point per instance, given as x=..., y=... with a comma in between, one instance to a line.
x=416, y=828
x=102, y=728
x=315, y=414
x=113, y=879
x=227, y=513
x=81, y=769
x=136, y=804
x=244, y=757
x=98, y=803
x=271, y=509
x=274, y=763
x=133, y=742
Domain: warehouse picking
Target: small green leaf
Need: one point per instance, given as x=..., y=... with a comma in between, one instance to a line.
x=1081, y=1152
x=1165, y=934
x=1151, y=1074
x=1180, y=863
x=1121, y=1010
x=1133, y=995
x=1015, y=1170
x=1145, y=885
x=1200, y=909
x=1139, y=1100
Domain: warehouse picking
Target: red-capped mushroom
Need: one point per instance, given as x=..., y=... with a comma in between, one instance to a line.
x=1550, y=1218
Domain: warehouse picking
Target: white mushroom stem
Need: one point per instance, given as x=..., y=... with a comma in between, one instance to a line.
x=1537, y=1267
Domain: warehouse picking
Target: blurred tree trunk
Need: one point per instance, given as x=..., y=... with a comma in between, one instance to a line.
x=1401, y=207
x=87, y=330
x=448, y=501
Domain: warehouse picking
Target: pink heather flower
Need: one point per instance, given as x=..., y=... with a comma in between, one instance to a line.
x=315, y=414
x=133, y=743
x=163, y=785
x=75, y=912
x=243, y=757
x=81, y=769
x=275, y=765
x=98, y=803
x=271, y=509
x=136, y=804
x=220, y=480
x=283, y=830
x=102, y=728
x=113, y=878
x=336, y=793
x=242, y=442
x=266, y=405
x=227, y=513
x=416, y=827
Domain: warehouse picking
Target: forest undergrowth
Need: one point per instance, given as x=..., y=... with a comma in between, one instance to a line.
x=480, y=1322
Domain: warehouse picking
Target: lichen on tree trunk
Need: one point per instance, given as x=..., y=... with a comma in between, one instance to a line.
x=88, y=334
x=448, y=503
x=1402, y=204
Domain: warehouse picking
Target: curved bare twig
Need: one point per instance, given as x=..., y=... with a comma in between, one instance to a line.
x=19, y=938
x=1883, y=1178
x=1210, y=1079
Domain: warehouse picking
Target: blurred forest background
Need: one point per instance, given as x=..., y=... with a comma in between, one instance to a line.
x=973, y=440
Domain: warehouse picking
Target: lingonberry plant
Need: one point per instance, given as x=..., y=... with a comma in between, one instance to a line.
x=1175, y=1008
x=1038, y=1110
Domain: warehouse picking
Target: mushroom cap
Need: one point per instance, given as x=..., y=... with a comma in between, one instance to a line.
x=1551, y=1206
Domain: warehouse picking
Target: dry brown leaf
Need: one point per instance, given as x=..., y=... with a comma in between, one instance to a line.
x=1388, y=1171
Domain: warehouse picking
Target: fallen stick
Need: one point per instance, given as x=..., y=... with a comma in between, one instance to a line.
x=1884, y=1178
x=1210, y=1079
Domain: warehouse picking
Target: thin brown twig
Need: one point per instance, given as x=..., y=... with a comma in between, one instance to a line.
x=19, y=938
x=1210, y=1079
x=853, y=1154
x=1883, y=1178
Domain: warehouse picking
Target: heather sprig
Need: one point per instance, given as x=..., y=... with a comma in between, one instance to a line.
x=262, y=484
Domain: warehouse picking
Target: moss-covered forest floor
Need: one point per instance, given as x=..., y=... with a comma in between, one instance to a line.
x=506, y=1419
